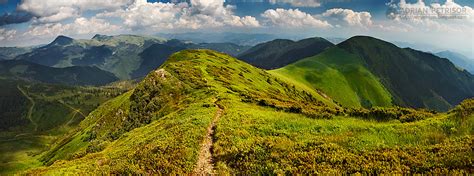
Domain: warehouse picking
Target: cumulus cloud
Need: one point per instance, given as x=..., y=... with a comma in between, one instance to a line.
x=195, y=15
x=7, y=34
x=298, y=3
x=79, y=26
x=349, y=17
x=48, y=11
x=293, y=18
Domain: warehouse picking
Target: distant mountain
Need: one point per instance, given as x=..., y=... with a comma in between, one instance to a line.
x=116, y=54
x=365, y=71
x=126, y=56
x=8, y=53
x=458, y=60
x=228, y=48
x=76, y=75
x=245, y=39
x=281, y=52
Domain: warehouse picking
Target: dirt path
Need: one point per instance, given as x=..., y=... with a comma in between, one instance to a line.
x=30, y=111
x=75, y=111
x=205, y=165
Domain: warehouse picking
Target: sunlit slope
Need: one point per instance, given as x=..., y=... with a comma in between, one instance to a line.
x=340, y=75
x=158, y=126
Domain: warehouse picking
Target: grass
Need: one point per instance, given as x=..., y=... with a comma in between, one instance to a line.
x=269, y=126
x=58, y=110
x=341, y=76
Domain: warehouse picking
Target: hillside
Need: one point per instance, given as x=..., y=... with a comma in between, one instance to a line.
x=365, y=72
x=341, y=76
x=281, y=52
x=77, y=75
x=204, y=112
x=459, y=60
x=34, y=115
x=414, y=78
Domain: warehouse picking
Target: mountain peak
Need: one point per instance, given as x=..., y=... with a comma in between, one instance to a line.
x=62, y=40
x=101, y=37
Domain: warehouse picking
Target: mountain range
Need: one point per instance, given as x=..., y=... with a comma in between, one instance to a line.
x=133, y=105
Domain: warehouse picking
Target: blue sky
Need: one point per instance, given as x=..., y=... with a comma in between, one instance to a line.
x=29, y=22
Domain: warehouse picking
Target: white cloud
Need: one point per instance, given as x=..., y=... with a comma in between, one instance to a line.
x=196, y=15
x=293, y=18
x=298, y=3
x=79, y=26
x=349, y=17
x=48, y=11
x=447, y=17
x=7, y=34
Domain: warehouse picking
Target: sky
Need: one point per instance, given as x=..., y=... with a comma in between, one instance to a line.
x=443, y=24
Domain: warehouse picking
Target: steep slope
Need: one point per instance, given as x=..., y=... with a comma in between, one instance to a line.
x=341, y=76
x=280, y=52
x=414, y=78
x=253, y=119
x=457, y=59
x=152, y=58
x=76, y=75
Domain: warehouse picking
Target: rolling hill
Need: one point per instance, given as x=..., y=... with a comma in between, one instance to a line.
x=205, y=112
x=76, y=75
x=364, y=71
x=340, y=75
x=281, y=52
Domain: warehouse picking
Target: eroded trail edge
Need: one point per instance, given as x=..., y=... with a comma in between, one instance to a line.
x=205, y=164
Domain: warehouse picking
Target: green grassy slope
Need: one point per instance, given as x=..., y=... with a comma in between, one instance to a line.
x=341, y=76
x=268, y=126
x=414, y=78
x=35, y=115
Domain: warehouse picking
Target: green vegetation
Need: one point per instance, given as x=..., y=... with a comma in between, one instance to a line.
x=280, y=52
x=341, y=76
x=268, y=126
x=414, y=78
x=35, y=115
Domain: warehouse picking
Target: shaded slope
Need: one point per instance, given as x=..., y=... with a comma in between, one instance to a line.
x=152, y=58
x=414, y=78
x=280, y=52
x=70, y=76
x=341, y=76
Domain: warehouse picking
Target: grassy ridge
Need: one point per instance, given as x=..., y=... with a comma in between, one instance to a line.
x=340, y=75
x=269, y=126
